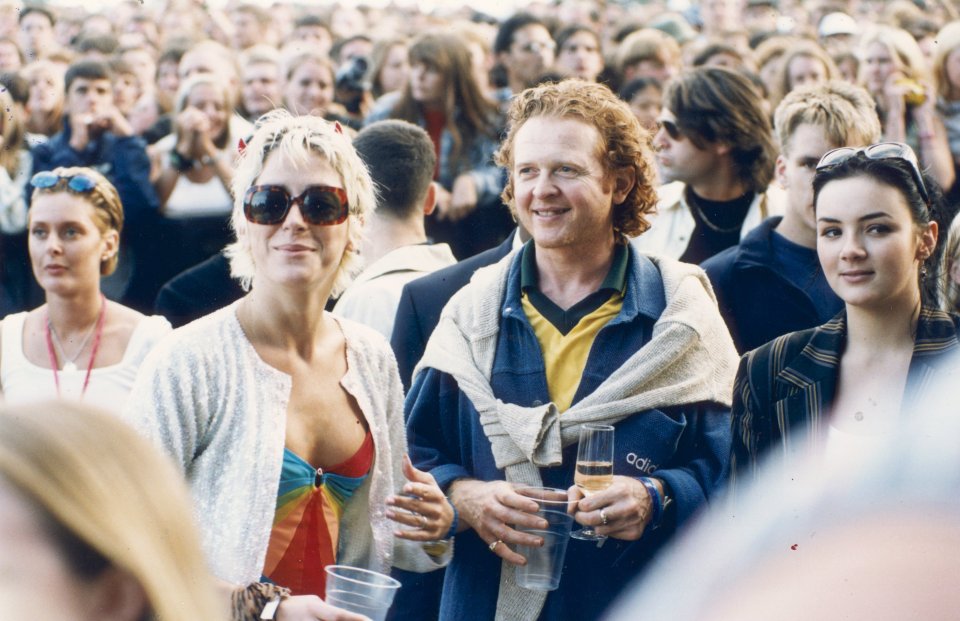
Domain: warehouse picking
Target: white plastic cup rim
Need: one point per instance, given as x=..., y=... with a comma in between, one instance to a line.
x=546, y=497
x=364, y=577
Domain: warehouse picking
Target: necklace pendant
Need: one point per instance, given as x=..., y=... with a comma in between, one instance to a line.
x=70, y=367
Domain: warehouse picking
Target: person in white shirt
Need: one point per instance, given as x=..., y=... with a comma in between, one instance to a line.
x=401, y=160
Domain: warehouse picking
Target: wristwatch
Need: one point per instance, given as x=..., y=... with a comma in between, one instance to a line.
x=181, y=162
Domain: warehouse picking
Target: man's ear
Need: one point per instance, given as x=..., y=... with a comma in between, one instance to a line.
x=116, y=594
x=781, y=171
x=623, y=181
x=430, y=200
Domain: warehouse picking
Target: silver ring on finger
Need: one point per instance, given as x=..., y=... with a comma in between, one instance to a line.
x=493, y=546
x=603, y=517
x=423, y=522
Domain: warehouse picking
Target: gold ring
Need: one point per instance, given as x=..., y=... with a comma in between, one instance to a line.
x=493, y=546
x=603, y=517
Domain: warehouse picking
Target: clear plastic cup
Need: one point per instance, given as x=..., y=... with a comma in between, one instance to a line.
x=360, y=590
x=545, y=564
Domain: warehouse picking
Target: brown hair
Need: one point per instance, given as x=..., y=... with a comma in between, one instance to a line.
x=623, y=142
x=468, y=112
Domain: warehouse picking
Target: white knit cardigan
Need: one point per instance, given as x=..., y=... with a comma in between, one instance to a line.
x=208, y=399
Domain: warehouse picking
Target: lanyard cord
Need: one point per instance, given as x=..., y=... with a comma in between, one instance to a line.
x=54, y=364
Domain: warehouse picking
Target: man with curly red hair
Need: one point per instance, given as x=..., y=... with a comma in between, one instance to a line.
x=576, y=327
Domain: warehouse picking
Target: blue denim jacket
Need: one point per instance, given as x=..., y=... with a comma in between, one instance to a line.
x=686, y=446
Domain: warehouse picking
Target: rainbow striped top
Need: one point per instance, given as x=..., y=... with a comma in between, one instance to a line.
x=306, y=524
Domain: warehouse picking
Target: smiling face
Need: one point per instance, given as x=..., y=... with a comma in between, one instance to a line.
x=295, y=253
x=66, y=245
x=562, y=194
x=309, y=89
x=869, y=246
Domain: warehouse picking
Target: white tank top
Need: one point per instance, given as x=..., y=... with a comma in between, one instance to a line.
x=24, y=382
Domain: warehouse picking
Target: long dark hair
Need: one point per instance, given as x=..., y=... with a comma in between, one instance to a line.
x=899, y=175
x=468, y=112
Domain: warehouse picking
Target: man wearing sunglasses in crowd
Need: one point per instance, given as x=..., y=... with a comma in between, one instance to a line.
x=96, y=135
x=716, y=154
x=576, y=322
x=778, y=259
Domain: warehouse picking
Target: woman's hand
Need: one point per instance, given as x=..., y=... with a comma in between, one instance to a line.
x=191, y=125
x=622, y=511
x=425, y=508
x=492, y=508
x=462, y=199
x=312, y=608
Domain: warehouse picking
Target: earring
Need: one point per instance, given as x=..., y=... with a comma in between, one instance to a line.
x=923, y=271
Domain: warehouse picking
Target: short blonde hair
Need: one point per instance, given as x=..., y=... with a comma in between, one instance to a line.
x=293, y=138
x=96, y=482
x=107, y=208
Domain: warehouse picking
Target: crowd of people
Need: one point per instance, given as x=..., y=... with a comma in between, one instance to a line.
x=364, y=275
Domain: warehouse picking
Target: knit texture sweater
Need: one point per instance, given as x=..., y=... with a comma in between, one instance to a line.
x=208, y=399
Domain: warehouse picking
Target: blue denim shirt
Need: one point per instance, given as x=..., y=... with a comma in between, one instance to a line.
x=685, y=446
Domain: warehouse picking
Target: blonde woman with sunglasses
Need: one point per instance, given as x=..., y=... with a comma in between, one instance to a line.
x=79, y=345
x=286, y=420
x=847, y=382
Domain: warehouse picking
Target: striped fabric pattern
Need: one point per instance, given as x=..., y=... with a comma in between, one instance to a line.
x=306, y=525
x=784, y=388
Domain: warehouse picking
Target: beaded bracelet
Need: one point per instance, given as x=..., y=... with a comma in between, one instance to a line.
x=656, y=501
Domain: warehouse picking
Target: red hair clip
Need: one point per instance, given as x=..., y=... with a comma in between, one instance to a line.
x=241, y=146
x=337, y=127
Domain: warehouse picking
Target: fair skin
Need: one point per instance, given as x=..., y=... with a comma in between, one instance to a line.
x=92, y=112
x=646, y=106
x=709, y=171
x=66, y=247
x=309, y=89
x=261, y=89
x=580, y=57
x=45, y=92
x=396, y=69
x=36, y=35
x=531, y=53
x=385, y=233
x=564, y=197
x=871, y=249
x=427, y=85
x=805, y=70
x=283, y=317
x=203, y=119
x=38, y=584
x=795, y=170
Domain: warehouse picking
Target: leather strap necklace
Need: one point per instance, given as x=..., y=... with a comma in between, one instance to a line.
x=52, y=354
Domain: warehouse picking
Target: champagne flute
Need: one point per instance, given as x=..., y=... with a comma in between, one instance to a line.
x=594, y=468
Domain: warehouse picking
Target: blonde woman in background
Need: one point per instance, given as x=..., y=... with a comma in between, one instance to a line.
x=45, y=99
x=95, y=523
x=895, y=73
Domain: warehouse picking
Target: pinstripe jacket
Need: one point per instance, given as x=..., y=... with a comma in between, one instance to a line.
x=784, y=389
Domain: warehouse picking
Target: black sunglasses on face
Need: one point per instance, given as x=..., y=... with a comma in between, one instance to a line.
x=879, y=151
x=670, y=127
x=319, y=204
